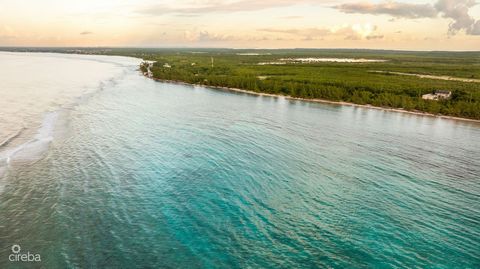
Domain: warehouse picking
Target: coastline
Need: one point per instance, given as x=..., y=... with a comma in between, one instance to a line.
x=323, y=101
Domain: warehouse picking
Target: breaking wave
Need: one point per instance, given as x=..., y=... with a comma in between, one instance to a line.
x=36, y=147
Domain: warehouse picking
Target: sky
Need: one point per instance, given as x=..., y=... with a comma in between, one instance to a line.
x=373, y=24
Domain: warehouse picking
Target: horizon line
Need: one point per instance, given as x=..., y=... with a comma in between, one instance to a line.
x=220, y=48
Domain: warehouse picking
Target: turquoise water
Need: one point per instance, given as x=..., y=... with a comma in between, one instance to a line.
x=144, y=174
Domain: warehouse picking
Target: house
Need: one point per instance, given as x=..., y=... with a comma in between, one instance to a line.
x=438, y=95
x=149, y=64
x=443, y=94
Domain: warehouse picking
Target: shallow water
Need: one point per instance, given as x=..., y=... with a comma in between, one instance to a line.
x=35, y=87
x=146, y=174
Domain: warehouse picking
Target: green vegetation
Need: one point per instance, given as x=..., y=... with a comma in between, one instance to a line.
x=350, y=82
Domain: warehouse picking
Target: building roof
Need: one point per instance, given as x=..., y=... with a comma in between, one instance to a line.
x=442, y=92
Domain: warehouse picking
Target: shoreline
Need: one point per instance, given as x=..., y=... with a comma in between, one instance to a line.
x=322, y=101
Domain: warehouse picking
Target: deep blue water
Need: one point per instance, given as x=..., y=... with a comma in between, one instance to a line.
x=155, y=175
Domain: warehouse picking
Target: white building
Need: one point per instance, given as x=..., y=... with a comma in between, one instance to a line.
x=148, y=64
x=438, y=95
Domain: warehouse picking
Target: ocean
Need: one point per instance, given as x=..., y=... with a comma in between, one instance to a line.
x=101, y=167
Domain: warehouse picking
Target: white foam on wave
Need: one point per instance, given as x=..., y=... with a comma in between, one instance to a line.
x=7, y=140
x=35, y=148
x=32, y=150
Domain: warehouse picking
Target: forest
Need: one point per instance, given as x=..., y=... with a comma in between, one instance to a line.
x=359, y=83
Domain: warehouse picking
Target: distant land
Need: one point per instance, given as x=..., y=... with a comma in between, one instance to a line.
x=381, y=78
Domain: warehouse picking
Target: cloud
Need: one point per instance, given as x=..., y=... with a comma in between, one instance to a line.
x=205, y=36
x=475, y=29
x=303, y=32
x=370, y=37
x=349, y=32
x=456, y=10
x=395, y=9
x=7, y=33
x=86, y=33
x=292, y=17
x=215, y=6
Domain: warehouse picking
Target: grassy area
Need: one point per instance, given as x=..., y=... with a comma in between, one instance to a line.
x=351, y=82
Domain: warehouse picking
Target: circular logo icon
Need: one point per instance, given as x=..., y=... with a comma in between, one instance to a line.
x=16, y=249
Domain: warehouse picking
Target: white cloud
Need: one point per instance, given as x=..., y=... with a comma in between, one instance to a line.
x=216, y=6
x=457, y=10
x=475, y=30
x=6, y=33
x=395, y=9
x=350, y=32
x=205, y=36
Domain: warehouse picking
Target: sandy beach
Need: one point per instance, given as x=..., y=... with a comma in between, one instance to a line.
x=398, y=110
